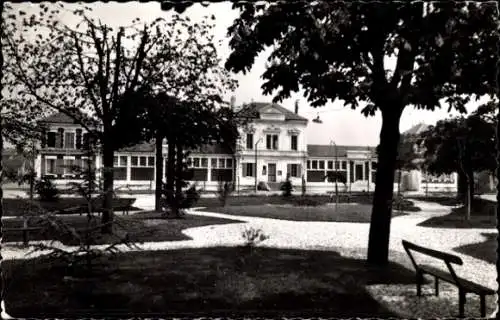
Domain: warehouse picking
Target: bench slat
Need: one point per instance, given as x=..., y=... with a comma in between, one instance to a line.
x=22, y=229
x=433, y=253
x=469, y=286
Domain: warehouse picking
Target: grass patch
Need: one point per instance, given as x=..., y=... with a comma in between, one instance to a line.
x=343, y=213
x=207, y=281
x=140, y=228
x=309, y=200
x=483, y=215
x=486, y=250
x=444, y=200
x=19, y=206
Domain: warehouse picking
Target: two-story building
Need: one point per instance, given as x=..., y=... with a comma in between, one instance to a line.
x=272, y=146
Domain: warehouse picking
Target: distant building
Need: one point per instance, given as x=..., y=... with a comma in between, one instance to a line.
x=272, y=147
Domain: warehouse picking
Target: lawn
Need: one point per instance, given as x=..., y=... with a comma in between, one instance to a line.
x=21, y=206
x=486, y=250
x=202, y=282
x=140, y=228
x=311, y=200
x=343, y=213
x=483, y=215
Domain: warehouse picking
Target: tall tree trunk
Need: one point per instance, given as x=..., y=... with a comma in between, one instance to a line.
x=170, y=170
x=107, y=212
x=470, y=192
x=159, y=170
x=495, y=313
x=1, y=175
x=179, y=175
x=380, y=225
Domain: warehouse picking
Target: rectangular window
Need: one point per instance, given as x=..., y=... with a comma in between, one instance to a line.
x=196, y=162
x=294, y=142
x=330, y=165
x=315, y=164
x=51, y=139
x=151, y=161
x=294, y=170
x=249, y=141
x=337, y=165
x=69, y=166
x=134, y=161
x=272, y=142
x=115, y=161
x=123, y=161
x=204, y=162
x=229, y=163
x=308, y=164
x=248, y=169
x=50, y=166
x=213, y=163
x=142, y=161
x=344, y=165
x=322, y=164
x=222, y=163
x=69, y=140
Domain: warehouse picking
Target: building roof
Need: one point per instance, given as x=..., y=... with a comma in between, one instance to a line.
x=252, y=110
x=150, y=147
x=328, y=151
x=59, y=118
x=416, y=129
x=141, y=147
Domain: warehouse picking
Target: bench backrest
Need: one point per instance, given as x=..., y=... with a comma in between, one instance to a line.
x=446, y=257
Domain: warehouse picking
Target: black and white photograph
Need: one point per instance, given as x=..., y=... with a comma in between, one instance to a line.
x=256, y=159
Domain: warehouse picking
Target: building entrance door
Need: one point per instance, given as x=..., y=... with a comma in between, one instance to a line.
x=271, y=174
x=358, y=172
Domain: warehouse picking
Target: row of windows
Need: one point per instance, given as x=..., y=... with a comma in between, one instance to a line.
x=65, y=166
x=220, y=163
x=293, y=169
x=272, y=142
x=135, y=161
x=320, y=164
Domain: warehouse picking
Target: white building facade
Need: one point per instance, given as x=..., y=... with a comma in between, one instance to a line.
x=273, y=146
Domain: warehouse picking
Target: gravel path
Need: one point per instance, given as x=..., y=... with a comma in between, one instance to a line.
x=349, y=239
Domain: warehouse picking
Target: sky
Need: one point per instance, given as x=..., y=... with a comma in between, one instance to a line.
x=340, y=124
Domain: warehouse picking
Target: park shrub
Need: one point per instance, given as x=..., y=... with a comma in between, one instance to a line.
x=306, y=202
x=46, y=190
x=253, y=236
x=287, y=188
x=224, y=191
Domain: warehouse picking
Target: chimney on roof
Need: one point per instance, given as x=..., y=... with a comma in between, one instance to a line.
x=297, y=106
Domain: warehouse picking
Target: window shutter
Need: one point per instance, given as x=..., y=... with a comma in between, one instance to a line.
x=59, y=166
x=78, y=138
x=61, y=138
x=244, y=169
x=299, y=170
x=85, y=141
x=288, y=170
x=42, y=165
x=44, y=138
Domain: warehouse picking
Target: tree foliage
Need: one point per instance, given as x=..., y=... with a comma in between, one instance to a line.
x=338, y=50
x=475, y=134
x=89, y=70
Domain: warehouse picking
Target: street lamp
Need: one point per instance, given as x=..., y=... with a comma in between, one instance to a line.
x=255, y=147
x=335, y=175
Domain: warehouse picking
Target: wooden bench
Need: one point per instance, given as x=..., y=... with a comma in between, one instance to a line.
x=24, y=230
x=81, y=209
x=464, y=286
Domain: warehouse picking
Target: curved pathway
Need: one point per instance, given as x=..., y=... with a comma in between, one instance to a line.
x=346, y=238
